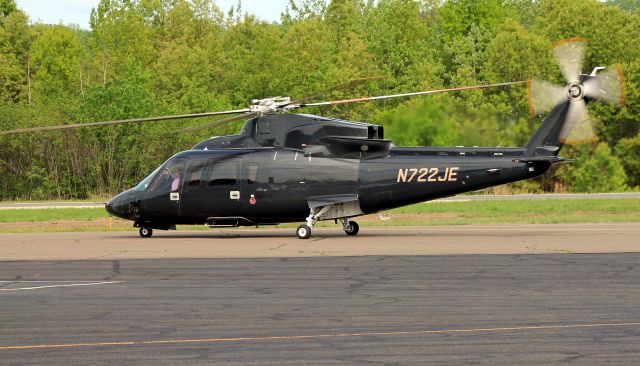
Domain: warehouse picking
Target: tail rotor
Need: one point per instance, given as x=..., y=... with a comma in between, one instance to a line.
x=603, y=84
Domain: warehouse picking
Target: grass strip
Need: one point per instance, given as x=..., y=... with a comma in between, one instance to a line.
x=52, y=214
x=430, y=213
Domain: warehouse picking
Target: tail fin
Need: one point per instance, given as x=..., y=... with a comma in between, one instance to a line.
x=547, y=140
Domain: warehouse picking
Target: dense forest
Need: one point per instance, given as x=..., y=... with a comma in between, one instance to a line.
x=157, y=57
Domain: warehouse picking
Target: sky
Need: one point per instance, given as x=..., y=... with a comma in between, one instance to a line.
x=78, y=11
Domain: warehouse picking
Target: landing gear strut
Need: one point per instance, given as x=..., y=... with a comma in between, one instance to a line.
x=304, y=231
x=146, y=232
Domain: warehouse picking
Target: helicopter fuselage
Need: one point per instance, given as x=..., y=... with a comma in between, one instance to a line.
x=261, y=186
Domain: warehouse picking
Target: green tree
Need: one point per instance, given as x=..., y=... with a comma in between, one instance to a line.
x=614, y=123
x=121, y=38
x=422, y=123
x=403, y=40
x=151, y=57
x=598, y=172
x=460, y=16
x=633, y=5
x=143, y=145
x=250, y=60
x=443, y=121
x=607, y=29
x=303, y=10
x=7, y=7
x=11, y=78
x=628, y=151
x=15, y=39
x=306, y=57
x=56, y=57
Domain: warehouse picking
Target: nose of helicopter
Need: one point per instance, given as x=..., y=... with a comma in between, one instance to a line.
x=119, y=205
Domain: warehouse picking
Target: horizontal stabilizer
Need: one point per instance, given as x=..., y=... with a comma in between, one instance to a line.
x=548, y=159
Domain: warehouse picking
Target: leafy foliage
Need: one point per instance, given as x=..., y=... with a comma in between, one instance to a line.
x=154, y=57
x=600, y=172
x=629, y=151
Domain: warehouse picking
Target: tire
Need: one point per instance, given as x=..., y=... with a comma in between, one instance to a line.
x=303, y=232
x=146, y=232
x=352, y=228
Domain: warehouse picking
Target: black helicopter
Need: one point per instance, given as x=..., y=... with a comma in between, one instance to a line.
x=285, y=167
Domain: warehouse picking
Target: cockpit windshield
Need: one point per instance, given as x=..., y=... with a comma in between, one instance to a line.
x=145, y=182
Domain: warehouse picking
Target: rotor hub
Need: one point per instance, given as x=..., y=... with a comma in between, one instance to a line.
x=575, y=91
x=270, y=105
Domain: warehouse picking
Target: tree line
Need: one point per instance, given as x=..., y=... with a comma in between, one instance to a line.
x=158, y=57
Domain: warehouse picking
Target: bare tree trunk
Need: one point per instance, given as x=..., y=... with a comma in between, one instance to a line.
x=29, y=80
x=104, y=70
x=81, y=84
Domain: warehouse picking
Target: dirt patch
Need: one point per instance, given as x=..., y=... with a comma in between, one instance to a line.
x=98, y=223
x=412, y=217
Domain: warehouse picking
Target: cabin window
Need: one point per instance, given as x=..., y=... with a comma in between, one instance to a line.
x=195, y=174
x=223, y=173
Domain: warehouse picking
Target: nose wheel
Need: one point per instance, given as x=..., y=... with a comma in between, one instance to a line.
x=303, y=232
x=146, y=232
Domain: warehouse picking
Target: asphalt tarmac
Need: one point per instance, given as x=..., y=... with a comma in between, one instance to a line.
x=276, y=243
x=326, y=306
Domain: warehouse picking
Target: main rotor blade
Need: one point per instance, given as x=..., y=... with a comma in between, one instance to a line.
x=608, y=86
x=544, y=96
x=569, y=54
x=365, y=99
x=577, y=128
x=132, y=120
x=346, y=85
x=220, y=122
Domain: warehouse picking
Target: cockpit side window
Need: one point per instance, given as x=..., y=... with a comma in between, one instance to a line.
x=145, y=182
x=170, y=178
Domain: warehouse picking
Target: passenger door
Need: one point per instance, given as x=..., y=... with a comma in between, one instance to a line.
x=286, y=177
x=254, y=185
x=222, y=188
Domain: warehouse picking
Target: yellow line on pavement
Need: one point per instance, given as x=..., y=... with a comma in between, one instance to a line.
x=319, y=336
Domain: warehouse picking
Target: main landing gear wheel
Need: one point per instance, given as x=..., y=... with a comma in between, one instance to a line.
x=352, y=228
x=146, y=232
x=303, y=232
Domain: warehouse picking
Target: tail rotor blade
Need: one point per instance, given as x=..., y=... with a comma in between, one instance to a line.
x=608, y=86
x=577, y=128
x=569, y=54
x=544, y=96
